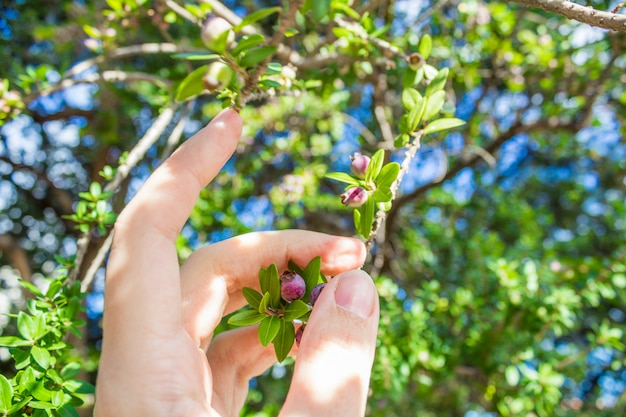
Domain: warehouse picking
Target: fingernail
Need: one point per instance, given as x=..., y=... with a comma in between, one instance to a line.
x=356, y=293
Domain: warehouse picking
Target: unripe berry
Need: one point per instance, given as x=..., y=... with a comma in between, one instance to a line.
x=299, y=334
x=315, y=293
x=212, y=29
x=416, y=61
x=218, y=76
x=292, y=286
x=354, y=197
x=359, y=165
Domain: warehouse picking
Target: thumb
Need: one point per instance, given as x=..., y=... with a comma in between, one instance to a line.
x=334, y=362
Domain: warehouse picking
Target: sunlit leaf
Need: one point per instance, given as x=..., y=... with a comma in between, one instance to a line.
x=443, y=124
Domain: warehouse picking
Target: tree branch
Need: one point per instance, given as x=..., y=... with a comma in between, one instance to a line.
x=573, y=11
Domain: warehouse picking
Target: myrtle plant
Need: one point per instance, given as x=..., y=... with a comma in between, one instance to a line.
x=45, y=382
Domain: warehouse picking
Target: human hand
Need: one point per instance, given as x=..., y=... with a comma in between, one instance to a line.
x=159, y=357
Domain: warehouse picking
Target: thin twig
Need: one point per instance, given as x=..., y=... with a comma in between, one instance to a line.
x=96, y=263
x=182, y=12
x=286, y=21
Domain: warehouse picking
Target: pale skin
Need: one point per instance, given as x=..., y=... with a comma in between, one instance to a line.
x=159, y=356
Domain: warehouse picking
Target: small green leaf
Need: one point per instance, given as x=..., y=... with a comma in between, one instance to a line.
x=375, y=165
x=247, y=42
x=270, y=83
x=291, y=32
x=295, y=268
x=416, y=114
x=246, y=318
x=6, y=394
x=264, y=280
x=263, y=305
x=253, y=297
x=342, y=177
x=192, y=85
x=196, y=56
x=357, y=221
x=311, y=274
x=412, y=77
x=18, y=406
x=70, y=370
x=426, y=45
x=31, y=287
x=367, y=218
x=256, y=16
x=95, y=189
x=410, y=98
x=274, y=68
x=512, y=375
x=382, y=195
x=256, y=56
x=25, y=325
x=41, y=356
x=443, y=124
x=40, y=405
x=274, y=291
x=295, y=310
x=388, y=175
x=68, y=411
x=14, y=341
x=343, y=7
x=438, y=82
x=221, y=41
x=401, y=140
x=268, y=329
x=320, y=9
x=284, y=340
x=434, y=104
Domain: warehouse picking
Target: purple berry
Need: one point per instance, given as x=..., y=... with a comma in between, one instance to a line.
x=354, y=197
x=299, y=334
x=315, y=293
x=359, y=165
x=292, y=286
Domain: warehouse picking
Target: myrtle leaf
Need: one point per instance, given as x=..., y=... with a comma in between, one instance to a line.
x=342, y=177
x=375, y=165
x=247, y=42
x=284, y=340
x=311, y=274
x=438, y=82
x=264, y=280
x=443, y=124
x=268, y=329
x=274, y=287
x=388, y=175
x=192, y=85
x=252, y=296
x=246, y=318
x=295, y=310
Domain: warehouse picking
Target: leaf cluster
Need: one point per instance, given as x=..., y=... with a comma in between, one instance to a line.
x=275, y=315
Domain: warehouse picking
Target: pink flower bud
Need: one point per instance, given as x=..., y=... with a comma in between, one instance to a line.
x=359, y=165
x=354, y=197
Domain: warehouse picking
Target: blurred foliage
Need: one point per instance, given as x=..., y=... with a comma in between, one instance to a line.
x=502, y=264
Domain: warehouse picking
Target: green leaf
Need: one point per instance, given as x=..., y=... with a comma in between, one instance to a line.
x=25, y=325
x=311, y=274
x=14, y=341
x=70, y=370
x=342, y=177
x=382, y=195
x=40, y=405
x=388, y=175
x=192, y=85
x=357, y=221
x=196, y=56
x=246, y=318
x=410, y=97
x=252, y=296
x=438, y=82
x=68, y=411
x=434, y=104
x=284, y=340
x=41, y=356
x=264, y=280
x=256, y=16
x=95, y=189
x=291, y=32
x=19, y=406
x=256, y=56
x=416, y=114
x=247, y=42
x=343, y=7
x=401, y=140
x=264, y=302
x=512, y=375
x=274, y=290
x=270, y=83
x=426, y=45
x=295, y=310
x=443, y=124
x=412, y=77
x=6, y=394
x=295, y=268
x=274, y=68
x=31, y=287
x=375, y=165
x=320, y=9
x=268, y=329
x=221, y=41
x=367, y=218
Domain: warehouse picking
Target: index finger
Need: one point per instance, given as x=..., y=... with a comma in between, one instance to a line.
x=143, y=287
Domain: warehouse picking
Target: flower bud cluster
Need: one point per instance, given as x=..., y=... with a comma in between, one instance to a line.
x=357, y=196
